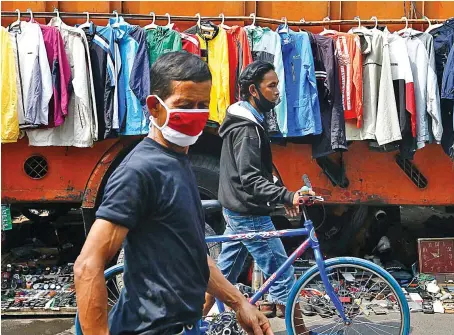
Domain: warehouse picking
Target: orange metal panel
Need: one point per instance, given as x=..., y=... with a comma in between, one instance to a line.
x=190, y=8
x=294, y=10
x=35, y=6
x=374, y=177
x=69, y=171
x=98, y=174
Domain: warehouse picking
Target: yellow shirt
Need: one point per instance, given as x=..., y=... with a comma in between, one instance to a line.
x=218, y=62
x=10, y=121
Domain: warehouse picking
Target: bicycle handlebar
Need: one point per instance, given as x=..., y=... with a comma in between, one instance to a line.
x=210, y=206
x=309, y=199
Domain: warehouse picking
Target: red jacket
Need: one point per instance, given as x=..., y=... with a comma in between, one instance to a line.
x=239, y=57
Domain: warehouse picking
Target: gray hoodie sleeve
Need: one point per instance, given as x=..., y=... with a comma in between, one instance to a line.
x=247, y=152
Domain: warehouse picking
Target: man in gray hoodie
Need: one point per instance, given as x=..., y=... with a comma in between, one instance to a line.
x=247, y=191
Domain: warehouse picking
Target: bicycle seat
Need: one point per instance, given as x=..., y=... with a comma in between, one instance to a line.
x=211, y=206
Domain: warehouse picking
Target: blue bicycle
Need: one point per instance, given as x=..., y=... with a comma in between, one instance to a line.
x=343, y=295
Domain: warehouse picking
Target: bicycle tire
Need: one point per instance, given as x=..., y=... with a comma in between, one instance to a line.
x=108, y=274
x=348, y=262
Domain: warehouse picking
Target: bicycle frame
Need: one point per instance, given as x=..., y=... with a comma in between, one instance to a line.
x=311, y=242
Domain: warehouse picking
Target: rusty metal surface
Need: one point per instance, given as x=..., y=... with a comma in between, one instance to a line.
x=96, y=177
x=374, y=177
x=293, y=10
x=69, y=170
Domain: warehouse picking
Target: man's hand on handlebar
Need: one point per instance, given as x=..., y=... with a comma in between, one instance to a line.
x=299, y=195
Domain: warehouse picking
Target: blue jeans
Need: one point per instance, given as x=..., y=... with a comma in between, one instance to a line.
x=269, y=254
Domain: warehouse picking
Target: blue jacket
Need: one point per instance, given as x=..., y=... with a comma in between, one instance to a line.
x=443, y=41
x=303, y=108
x=101, y=42
x=447, y=90
x=134, y=78
x=265, y=45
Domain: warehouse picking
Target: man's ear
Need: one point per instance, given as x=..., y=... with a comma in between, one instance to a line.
x=253, y=91
x=152, y=104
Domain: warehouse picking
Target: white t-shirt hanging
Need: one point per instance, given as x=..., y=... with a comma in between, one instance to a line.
x=404, y=93
x=34, y=80
x=387, y=129
x=372, y=50
x=433, y=108
x=419, y=62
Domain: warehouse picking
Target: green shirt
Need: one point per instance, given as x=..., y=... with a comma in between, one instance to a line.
x=161, y=40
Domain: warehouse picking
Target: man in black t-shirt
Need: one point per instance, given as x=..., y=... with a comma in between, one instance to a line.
x=151, y=202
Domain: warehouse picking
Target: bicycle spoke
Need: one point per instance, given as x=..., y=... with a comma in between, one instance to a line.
x=115, y=283
x=313, y=330
x=355, y=330
x=112, y=303
x=380, y=325
x=358, y=293
x=322, y=327
x=313, y=321
x=111, y=292
x=331, y=329
x=373, y=330
x=378, y=329
x=337, y=324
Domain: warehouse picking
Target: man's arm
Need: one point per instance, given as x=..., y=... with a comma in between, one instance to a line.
x=248, y=316
x=101, y=245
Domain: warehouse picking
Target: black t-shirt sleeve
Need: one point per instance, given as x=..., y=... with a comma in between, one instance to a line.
x=128, y=192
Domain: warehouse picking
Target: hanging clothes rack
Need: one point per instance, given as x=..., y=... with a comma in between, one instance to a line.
x=194, y=18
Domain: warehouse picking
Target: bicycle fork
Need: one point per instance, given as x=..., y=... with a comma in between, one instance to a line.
x=321, y=267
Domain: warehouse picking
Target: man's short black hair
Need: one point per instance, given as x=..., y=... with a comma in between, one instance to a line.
x=253, y=75
x=178, y=66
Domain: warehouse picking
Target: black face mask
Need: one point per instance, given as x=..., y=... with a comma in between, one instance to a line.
x=263, y=104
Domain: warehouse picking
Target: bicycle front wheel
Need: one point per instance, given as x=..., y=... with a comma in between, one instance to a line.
x=372, y=300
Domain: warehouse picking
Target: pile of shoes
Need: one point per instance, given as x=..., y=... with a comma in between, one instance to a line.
x=25, y=287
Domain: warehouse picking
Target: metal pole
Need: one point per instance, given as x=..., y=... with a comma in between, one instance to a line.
x=217, y=18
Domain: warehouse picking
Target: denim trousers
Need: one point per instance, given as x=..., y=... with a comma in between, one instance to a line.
x=269, y=254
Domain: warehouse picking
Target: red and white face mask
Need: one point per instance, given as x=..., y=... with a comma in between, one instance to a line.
x=182, y=126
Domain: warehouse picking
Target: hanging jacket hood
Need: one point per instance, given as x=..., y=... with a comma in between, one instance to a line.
x=246, y=169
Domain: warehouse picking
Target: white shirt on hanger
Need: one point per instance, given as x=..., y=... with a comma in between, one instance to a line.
x=34, y=80
x=423, y=68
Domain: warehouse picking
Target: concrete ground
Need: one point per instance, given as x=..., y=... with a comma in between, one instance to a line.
x=422, y=324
